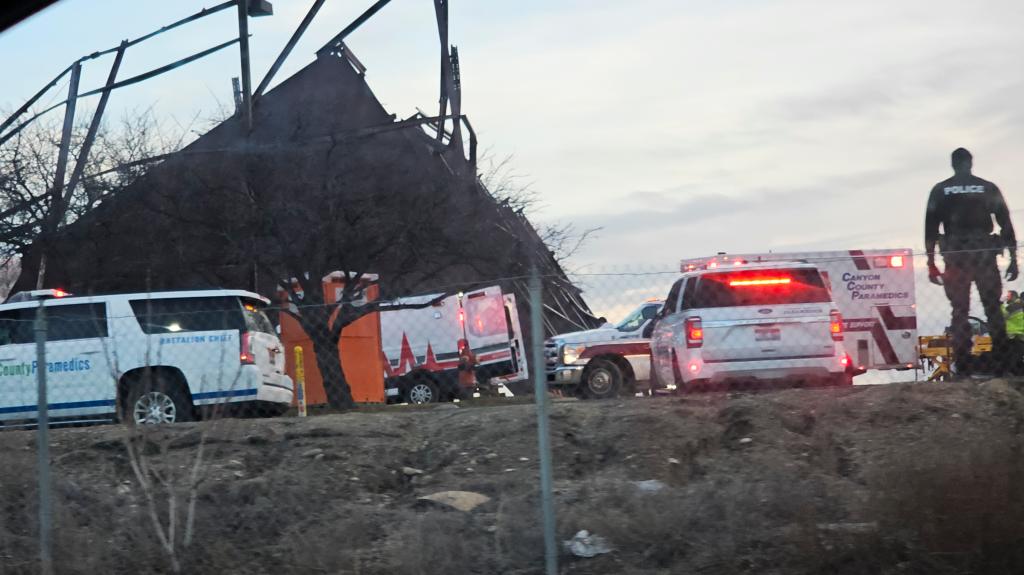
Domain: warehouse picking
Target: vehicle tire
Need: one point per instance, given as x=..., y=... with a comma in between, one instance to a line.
x=157, y=398
x=420, y=389
x=676, y=373
x=602, y=379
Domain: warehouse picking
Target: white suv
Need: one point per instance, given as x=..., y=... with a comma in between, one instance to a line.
x=145, y=357
x=743, y=322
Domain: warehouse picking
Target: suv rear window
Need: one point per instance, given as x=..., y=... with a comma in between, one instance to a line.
x=174, y=315
x=255, y=319
x=760, y=287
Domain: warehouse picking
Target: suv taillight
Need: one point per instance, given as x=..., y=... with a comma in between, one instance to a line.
x=245, y=356
x=835, y=326
x=694, y=333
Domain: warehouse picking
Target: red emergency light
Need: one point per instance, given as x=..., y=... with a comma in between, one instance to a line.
x=761, y=282
x=245, y=355
x=694, y=333
x=836, y=325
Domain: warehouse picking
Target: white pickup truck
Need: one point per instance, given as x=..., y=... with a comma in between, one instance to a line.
x=604, y=362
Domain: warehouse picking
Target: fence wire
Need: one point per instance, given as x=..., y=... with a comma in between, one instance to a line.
x=152, y=363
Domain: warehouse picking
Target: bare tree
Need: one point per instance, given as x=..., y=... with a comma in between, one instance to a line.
x=300, y=213
x=28, y=163
x=170, y=491
x=508, y=187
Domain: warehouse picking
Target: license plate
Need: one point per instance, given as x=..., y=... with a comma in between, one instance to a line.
x=767, y=334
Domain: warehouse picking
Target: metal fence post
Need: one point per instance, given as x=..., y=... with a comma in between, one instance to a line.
x=543, y=435
x=43, y=448
x=300, y=382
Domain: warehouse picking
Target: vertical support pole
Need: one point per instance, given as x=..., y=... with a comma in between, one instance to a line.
x=441, y=12
x=57, y=192
x=243, y=48
x=540, y=394
x=43, y=449
x=90, y=136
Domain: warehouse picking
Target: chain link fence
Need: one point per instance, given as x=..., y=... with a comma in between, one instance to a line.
x=266, y=465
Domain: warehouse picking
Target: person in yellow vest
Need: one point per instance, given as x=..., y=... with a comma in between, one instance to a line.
x=1013, y=309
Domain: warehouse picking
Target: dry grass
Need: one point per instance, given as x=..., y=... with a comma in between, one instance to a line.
x=960, y=499
x=909, y=481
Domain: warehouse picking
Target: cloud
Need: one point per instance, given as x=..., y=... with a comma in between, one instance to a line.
x=659, y=227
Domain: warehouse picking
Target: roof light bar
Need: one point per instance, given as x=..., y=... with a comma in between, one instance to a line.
x=760, y=282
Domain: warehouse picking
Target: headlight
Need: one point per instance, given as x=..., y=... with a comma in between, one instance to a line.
x=570, y=353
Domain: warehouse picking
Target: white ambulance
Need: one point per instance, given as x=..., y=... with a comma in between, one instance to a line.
x=874, y=291
x=421, y=346
x=145, y=357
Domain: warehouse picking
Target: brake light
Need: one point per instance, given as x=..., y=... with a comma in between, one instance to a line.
x=896, y=261
x=761, y=282
x=694, y=333
x=245, y=356
x=836, y=325
x=844, y=360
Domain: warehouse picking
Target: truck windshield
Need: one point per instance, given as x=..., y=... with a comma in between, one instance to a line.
x=760, y=287
x=636, y=319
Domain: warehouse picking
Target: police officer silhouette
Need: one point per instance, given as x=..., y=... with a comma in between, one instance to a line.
x=964, y=206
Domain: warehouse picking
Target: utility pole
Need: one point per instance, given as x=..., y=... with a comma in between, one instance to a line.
x=243, y=48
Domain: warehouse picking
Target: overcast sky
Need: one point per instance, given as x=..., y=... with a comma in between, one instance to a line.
x=679, y=128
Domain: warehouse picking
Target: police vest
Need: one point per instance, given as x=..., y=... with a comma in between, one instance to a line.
x=1014, y=322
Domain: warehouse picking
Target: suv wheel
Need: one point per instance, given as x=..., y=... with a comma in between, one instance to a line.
x=157, y=399
x=421, y=389
x=601, y=379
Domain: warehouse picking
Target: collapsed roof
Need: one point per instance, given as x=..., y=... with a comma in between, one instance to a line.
x=141, y=239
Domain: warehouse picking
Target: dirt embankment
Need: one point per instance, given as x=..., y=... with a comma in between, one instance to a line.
x=894, y=479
